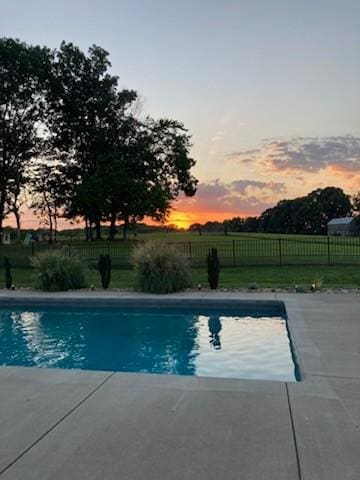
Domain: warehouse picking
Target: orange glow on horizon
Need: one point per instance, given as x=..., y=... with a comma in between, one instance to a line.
x=179, y=218
x=184, y=219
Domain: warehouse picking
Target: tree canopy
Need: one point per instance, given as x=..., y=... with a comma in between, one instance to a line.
x=309, y=214
x=72, y=137
x=303, y=215
x=24, y=80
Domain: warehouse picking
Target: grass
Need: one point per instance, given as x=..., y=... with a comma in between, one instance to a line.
x=233, y=249
x=212, y=236
x=263, y=276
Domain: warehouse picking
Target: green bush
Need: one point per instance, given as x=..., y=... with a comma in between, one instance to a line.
x=160, y=268
x=56, y=271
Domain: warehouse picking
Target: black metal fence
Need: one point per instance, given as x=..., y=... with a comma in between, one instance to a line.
x=234, y=252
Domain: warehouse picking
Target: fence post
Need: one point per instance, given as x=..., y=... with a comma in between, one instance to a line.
x=328, y=248
x=280, y=251
x=32, y=248
x=234, y=256
x=190, y=254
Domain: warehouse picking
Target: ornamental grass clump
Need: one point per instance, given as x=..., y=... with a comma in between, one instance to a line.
x=55, y=271
x=317, y=283
x=160, y=268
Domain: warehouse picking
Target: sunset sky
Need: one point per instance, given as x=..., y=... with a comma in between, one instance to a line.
x=269, y=89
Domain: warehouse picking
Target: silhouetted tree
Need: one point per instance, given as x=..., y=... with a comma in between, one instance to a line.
x=24, y=79
x=85, y=104
x=309, y=214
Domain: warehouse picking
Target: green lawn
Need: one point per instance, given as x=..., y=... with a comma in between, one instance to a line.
x=208, y=236
x=339, y=276
x=233, y=249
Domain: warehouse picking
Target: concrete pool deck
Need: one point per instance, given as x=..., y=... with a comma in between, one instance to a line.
x=67, y=424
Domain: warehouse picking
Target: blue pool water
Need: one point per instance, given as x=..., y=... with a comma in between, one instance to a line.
x=174, y=342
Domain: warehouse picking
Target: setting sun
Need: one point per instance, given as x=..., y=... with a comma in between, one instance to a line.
x=182, y=219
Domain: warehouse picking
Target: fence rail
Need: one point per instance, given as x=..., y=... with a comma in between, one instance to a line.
x=232, y=253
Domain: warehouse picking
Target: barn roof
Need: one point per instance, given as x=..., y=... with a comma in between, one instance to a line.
x=341, y=221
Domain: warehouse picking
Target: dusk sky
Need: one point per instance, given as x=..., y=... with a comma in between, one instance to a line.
x=268, y=89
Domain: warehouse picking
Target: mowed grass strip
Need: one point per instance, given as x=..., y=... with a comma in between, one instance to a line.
x=262, y=276
x=234, y=250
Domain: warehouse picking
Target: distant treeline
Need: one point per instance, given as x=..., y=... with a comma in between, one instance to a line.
x=303, y=215
x=77, y=234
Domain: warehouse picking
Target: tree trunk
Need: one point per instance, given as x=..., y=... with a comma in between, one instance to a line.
x=2, y=209
x=51, y=228
x=91, y=232
x=55, y=226
x=87, y=238
x=125, y=227
x=98, y=229
x=112, y=231
x=49, y=214
x=18, y=224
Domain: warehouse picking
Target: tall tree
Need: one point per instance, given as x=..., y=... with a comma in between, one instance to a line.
x=309, y=214
x=85, y=106
x=24, y=78
x=46, y=193
x=16, y=200
x=110, y=165
x=148, y=167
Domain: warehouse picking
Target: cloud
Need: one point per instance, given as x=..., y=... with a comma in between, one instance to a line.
x=239, y=155
x=212, y=190
x=242, y=197
x=218, y=136
x=243, y=186
x=278, y=168
x=241, y=124
x=339, y=155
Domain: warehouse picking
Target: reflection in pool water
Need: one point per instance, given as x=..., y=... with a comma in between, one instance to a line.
x=176, y=342
x=214, y=329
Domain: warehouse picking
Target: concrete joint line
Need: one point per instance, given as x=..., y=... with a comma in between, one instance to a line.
x=293, y=432
x=72, y=410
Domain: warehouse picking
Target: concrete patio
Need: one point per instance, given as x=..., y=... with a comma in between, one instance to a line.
x=65, y=424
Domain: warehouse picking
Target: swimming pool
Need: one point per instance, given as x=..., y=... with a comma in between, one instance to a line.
x=229, y=343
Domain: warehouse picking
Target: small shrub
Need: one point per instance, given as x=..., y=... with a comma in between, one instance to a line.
x=104, y=267
x=300, y=289
x=253, y=286
x=56, y=271
x=8, y=276
x=213, y=268
x=160, y=268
